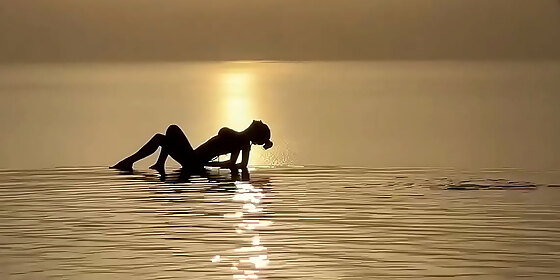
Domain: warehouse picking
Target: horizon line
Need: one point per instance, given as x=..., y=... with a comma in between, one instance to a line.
x=270, y=61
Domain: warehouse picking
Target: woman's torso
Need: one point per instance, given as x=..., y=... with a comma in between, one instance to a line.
x=227, y=141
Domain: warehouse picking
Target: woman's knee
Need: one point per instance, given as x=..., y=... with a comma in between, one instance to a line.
x=159, y=138
x=173, y=130
x=176, y=139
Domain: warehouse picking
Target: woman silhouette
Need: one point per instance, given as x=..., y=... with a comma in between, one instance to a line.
x=175, y=144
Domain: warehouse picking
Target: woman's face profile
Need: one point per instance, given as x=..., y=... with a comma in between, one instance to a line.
x=261, y=135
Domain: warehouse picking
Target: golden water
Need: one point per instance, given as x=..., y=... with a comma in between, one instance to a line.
x=375, y=114
x=284, y=223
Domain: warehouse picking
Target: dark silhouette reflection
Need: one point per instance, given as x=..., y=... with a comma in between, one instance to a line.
x=175, y=144
x=212, y=180
x=183, y=188
x=183, y=175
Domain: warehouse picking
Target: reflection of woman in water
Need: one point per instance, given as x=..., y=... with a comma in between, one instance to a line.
x=175, y=144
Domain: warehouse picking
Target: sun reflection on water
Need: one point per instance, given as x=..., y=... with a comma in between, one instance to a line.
x=238, y=109
x=237, y=88
x=250, y=259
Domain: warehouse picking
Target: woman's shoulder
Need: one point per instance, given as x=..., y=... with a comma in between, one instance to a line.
x=232, y=136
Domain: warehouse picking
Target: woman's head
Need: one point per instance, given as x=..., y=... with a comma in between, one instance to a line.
x=259, y=134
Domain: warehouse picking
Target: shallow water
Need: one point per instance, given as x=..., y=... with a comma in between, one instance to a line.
x=376, y=114
x=284, y=223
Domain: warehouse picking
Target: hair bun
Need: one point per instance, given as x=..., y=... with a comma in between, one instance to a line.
x=267, y=145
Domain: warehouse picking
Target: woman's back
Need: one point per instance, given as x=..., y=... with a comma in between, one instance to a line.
x=227, y=141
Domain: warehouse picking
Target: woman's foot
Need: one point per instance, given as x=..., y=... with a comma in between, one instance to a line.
x=123, y=165
x=159, y=168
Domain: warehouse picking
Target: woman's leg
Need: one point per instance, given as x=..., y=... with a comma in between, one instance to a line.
x=173, y=143
x=149, y=148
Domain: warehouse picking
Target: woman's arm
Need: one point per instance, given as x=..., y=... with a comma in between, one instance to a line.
x=227, y=163
x=232, y=162
x=244, y=157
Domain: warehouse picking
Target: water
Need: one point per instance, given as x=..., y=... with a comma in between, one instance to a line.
x=309, y=222
x=377, y=114
x=300, y=221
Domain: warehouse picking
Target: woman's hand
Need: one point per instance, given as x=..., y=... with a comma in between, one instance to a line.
x=221, y=164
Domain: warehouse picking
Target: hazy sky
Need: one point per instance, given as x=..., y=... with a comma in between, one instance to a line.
x=99, y=30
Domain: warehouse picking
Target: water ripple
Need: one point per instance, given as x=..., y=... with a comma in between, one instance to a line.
x=285, y=223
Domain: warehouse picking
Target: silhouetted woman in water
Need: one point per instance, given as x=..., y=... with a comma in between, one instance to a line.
x=175, y=144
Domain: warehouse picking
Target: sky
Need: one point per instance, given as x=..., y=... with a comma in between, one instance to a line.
x=181, y=30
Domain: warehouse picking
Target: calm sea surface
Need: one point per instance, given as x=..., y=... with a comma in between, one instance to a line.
x=61, y=220
x=468, y=115
x=284, y=223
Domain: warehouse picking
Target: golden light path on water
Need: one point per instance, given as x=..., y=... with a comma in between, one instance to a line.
x=248, y=261
x=237, y=87
x=238, y=109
